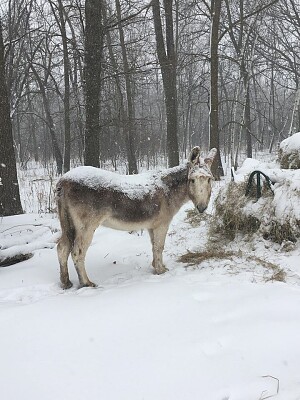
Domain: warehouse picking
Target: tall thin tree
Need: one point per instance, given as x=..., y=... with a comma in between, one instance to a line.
x=10, y=202
x=93, y=59
x=167, y=59
x=130, y=123
x=61, y=22
x=214, y=140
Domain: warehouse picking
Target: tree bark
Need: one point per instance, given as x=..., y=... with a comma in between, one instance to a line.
x=214, y=140
x=93, y=59
x=10, y=202
x=167, y=61
x=67, y=123
x=247, y=122
x=132, y=165
x=247, y=111
x=32, y=127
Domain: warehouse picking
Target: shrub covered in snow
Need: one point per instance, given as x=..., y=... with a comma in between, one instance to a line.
x=289, y=152
x=275, y=215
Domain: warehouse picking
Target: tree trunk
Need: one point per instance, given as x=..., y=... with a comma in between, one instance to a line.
x=259, y=124
x=32, y=127
x=295, y=108
x=67, y=123
x=10, y=202
x=56, y=150
x=132, y=165
x=214, y=140
x=247, y=122
x=247, y=112
x=93, y=60
x=167, y=61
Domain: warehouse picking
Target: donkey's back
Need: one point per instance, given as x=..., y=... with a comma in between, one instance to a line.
x=123, y=202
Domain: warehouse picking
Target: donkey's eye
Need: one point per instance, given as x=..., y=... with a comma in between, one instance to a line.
x=192, y=180
x=209, y=180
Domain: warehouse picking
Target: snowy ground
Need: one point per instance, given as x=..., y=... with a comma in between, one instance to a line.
x=217, y=331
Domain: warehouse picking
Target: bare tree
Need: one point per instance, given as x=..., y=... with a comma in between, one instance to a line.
x=167, y=60
x=94, y=33
x=214, y=140
x=42, y=82
x=130, y=123
x=10, y=202
x=59, y=14
x=243, y=34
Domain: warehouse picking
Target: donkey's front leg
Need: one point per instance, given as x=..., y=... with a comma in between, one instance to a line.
x=158, y=237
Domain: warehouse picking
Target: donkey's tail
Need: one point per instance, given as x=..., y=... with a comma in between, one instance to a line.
x=66, y=223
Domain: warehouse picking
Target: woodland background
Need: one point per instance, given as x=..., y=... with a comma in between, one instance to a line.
x=132, y=82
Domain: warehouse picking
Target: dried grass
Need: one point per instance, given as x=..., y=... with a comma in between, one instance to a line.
x=280, y=233
x=195, y=218
x=237, y=213
x=289, y=160
x=196, y=258
x=229, y=217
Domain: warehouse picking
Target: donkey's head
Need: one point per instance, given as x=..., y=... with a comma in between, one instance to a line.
x=200, y=177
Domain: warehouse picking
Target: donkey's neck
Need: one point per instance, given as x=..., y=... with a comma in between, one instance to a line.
x=176, y=180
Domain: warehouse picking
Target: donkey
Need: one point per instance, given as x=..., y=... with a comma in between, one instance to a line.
x=88, y=197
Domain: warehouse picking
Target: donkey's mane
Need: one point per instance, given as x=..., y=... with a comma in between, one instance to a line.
x=175, y=176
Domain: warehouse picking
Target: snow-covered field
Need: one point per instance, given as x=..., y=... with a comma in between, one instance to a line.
x=219, y=331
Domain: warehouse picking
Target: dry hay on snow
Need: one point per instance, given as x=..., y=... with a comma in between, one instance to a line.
x=289, y=152
x=215, y=255
x=273, y=271
x=274, y=216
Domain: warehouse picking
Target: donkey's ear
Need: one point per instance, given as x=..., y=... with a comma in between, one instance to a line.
x=210, y=157
x=194, y=156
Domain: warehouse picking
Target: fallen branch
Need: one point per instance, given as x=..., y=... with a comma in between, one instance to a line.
x=7, y=261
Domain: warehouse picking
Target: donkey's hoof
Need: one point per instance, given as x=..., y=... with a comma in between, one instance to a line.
x=87, y=284
x=67, y=285
x=160, y=271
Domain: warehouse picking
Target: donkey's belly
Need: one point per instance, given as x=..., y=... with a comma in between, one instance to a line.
x=121, y=225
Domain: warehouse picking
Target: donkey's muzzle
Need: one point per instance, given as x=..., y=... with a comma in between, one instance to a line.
x=201, y=208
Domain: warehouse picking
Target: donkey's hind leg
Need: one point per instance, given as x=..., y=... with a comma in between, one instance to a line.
x=82, y=242
x=63, y=250
x=158, y=237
